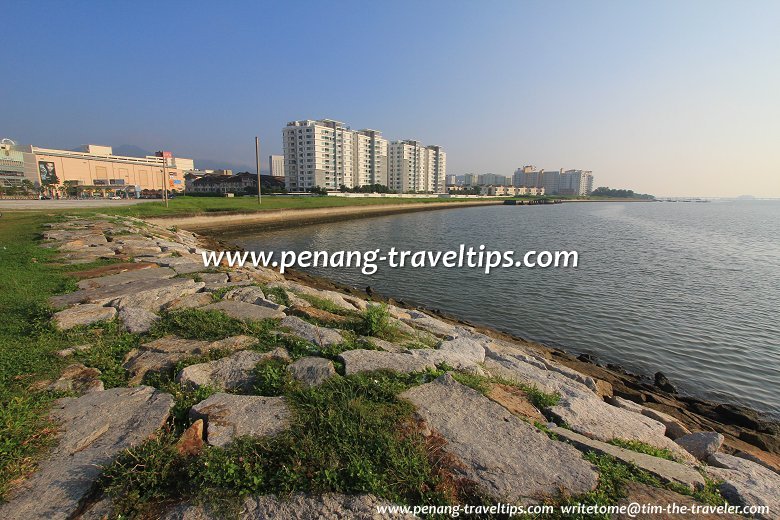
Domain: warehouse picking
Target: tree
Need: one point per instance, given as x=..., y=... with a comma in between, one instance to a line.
x=318, y=190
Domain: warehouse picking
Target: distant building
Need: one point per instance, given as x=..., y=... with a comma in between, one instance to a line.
x=492, y=179
x=511, y=191
x=452, y=180
x=470, y=180
x=276, y=165
x=569, y=182
x=414, y=167
x=328, y=154
x=91, y=170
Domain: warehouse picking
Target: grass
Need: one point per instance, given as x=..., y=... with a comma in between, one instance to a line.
x=28, y=341
x=643, y=447
x=277, y=295
x=483, y=384
x=349, y=435
x=182, y=206
x=207, y=325
x=613, y=476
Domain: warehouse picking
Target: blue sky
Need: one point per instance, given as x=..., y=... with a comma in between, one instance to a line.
x=670, y=98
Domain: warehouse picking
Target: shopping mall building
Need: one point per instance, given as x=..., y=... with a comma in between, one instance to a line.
x=91, y=171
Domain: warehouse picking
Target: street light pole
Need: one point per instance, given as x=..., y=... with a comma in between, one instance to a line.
x=165, y=181
x=257, y=161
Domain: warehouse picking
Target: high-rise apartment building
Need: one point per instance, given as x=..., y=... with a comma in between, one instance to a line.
x=328, y=154
x=317, y=154
x=276, y=165
x=470, y=179
x=569, y=182
x=576, y=182
x=414, y=167
x=491, y=179
x=370, y=158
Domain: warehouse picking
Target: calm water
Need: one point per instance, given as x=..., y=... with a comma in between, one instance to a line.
x=690, y=289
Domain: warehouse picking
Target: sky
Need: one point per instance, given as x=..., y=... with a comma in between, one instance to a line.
x=662, y=97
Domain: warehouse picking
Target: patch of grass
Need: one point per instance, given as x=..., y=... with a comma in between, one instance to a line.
x=272, y=378
x=375, y=321
x=109, y=345
x=142, y=475
x=349, y=435
x=483, y=384
x=207, y=325
x=325, y=305
x=277, y=295
x=643, y=447
x=28, y=340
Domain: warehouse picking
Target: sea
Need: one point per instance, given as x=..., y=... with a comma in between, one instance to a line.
x=688, y=289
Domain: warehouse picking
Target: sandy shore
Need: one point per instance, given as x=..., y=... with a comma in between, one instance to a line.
x=297, y=217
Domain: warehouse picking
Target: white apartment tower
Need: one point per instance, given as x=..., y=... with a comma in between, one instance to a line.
x=414, y=167
x=276, y=165
x=328, y=154
x=370, y=158
x=317, y=153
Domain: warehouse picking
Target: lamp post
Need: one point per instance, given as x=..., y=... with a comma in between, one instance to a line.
x=257, y=163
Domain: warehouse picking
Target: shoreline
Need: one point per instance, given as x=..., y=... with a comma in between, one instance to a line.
x=282, y=218
x=744, y=428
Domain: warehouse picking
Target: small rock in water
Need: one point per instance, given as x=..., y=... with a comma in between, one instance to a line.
x=587, y=358
x=662, y=382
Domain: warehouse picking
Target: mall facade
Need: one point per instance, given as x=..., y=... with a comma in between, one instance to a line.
x=91, y=171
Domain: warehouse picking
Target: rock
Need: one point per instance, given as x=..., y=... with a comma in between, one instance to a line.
x=504, y=456
x=244, y=311
x=317, y=314
x=459, y=353
x=746, y=483
x=296, y=507
x=356, y=361
x=381, y=344
x=95, y=428
x=701, y=444
x=191, y=441
x=78, y=378
x=213, y=278
x=66, y=352
x=136, y=320
x=312, y=371
x=148, y=294
x=321, y=336
x=437, y=327
x=666, y=470
x=674, y=428
x=249, y=294
x=190, y=301
x=516, y=401
x=163, y=354
x=587, y=358
x=626, y=404
x=228, y=416
x=599, y=420
x=637, y=493
x=126, y=277
x=86, y=314
x=183, y=264
x=662, y=382
x=758, y=460
x=235, y=372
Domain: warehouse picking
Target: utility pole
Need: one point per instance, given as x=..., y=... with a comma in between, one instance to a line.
x=165, y=181
x=257, y=161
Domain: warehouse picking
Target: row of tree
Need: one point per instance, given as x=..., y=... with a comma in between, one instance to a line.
x=622, y=194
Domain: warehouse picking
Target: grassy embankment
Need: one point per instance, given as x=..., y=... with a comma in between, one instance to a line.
x=351, y=435
x=186, y=206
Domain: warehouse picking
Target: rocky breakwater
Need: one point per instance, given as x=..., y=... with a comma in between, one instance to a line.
x=509, y=422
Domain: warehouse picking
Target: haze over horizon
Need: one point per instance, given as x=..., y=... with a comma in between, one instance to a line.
x=665, y=98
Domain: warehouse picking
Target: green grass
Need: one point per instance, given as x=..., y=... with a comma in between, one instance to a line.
x=207, y=325
x=613, y=476
x=272, y=378
x=483, y=384
x=28, y=341
x=643, y=447
x=183, y=206
x=349, y=435
x=323, y=304
x=277, y=295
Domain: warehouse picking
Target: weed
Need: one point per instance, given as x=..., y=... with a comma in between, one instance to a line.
x=278, y=295
x=272, y=378
x=207, y=325
x=643, y=447
x=375, y=321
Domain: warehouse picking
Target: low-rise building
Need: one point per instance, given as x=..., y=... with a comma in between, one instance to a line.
x=92, y=170
x=243, y=183
x=511, y=191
